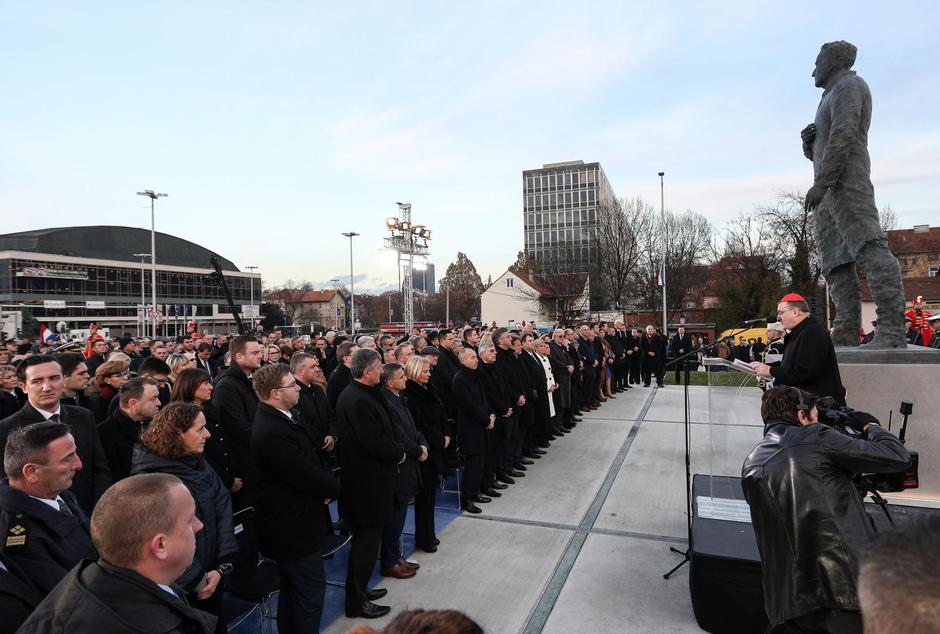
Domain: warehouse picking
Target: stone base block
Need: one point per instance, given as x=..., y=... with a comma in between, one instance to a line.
x=877, y=382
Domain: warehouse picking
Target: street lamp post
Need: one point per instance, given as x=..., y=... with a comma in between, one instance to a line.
x=149, y=193
x=251, y=292
x=142, y=323
x=662, y=211
x=352, y=291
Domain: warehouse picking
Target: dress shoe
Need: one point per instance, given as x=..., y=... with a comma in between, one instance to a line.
x=429, y=549
x=369, y=610
x=539, y=451
x=493, y=493
x=526, y=461
x=575, y=419
x=646, y=385
x=543, y=446
x=482, y=499
x=375, y=593
x=520, y=467
x=530, y=454
x=436, y=541
x=470, y=507
x=516, y=473
x=499, y=486
x=506, y=479
x=399, y=571
x=414, y=565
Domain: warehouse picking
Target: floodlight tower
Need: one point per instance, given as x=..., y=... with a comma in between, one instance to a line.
x=404, y=240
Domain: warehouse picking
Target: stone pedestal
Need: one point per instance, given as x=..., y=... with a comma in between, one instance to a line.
x=877, y=381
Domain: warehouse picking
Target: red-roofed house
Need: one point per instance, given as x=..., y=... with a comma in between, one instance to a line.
x=323, y=307
x=917, y=250
x=518, y=295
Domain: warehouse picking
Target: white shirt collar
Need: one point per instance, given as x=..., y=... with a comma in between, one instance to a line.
x=285, y=412
x=168, y=589
x=51, y=503
x=48, y=415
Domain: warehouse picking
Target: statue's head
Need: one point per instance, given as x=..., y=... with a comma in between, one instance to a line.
x=833, y=57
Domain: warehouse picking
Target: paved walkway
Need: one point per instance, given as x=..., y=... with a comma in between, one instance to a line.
x=581, y=543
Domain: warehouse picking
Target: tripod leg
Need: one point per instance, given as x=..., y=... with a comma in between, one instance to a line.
x=685, y=560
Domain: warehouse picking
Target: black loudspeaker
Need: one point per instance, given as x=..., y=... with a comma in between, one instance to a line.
x=725, y=570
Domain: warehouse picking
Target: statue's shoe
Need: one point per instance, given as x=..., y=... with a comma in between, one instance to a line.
x=883, y=341
x=846, y=336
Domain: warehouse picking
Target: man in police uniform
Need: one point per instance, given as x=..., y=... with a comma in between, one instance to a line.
x=44, y=529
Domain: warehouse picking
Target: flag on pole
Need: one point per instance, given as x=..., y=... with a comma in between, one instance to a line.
x=46, y=334
x=661, y=275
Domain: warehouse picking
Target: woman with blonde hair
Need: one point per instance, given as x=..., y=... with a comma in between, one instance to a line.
x=178, y=361
x=174, y=443
x=432, y=421
x=110, y=377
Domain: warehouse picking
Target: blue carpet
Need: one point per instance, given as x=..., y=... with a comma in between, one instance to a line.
x=254, y=619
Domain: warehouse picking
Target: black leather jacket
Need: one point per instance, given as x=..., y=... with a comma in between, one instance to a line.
x=807, y=514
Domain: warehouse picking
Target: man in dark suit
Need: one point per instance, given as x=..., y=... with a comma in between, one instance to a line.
x=41, y=379
x=652, y=351
x=130, y=587
x=341, y=377
x=236, y=403
x=293, y=487
x=591, y=362
x=474, y=418
x=204, y=360
x=138, y=402
x=369, y=455
x=75, y=379
x=100, y=352
x=681, y=345
x=313, y=406
x=562, y=369
x=45, y=530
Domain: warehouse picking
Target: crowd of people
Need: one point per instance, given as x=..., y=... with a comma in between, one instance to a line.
x=279, y=427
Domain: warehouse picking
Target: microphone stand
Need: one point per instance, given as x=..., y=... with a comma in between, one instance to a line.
x=686, y=554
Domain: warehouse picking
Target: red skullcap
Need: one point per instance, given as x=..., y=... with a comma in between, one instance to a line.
x=792, y=297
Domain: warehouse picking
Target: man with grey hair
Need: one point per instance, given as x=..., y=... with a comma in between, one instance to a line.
x=369, y=455
x=365, y=341
x=848, y=230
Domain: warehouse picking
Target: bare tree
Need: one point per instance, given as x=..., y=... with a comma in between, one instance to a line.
x=687, y=246
x=619, y=247
x=558, y=287
x=888, y=219
x=289, y=296
x=792, y=227
x=745, y=270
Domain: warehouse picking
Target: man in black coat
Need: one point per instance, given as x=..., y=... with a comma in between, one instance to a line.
x=293, y=487
x=590, y=360
x=622, y=375
x=205, y=362
x=474, y=418
x=616, y=350
x=130, y=589
x=635, y=357
x=809, y=358
x=369, y=455
x=538, y=395
x=808, y=516
x=341, y=377
x=313, y=406
x=100, y=352
x=562, y=369
x=681, y=345
x=138, y=402
x=75, y=379
x=495, y=468
x=41, y=379
x=446, y=368
x=652, y=349
x=44, y=529
x=18, y=596
x=236, y=403
x=408, y=481
x=517, y=384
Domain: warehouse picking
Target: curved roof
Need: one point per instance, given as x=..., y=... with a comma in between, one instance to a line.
x=106, y=242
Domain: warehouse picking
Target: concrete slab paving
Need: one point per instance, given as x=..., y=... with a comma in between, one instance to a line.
x=493, y=571
x=648, y=495
x=617, y=585
x=625, y=407
x=561, y=485
x=732, y=406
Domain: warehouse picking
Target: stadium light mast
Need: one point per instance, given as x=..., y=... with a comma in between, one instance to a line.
x=352, y=292
x=149, y=193
x=404, y=240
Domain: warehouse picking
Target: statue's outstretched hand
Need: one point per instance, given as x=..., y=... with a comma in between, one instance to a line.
x=814, y=196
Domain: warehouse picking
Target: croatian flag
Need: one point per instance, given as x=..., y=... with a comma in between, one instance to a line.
x=661, y=275
x=45, y=334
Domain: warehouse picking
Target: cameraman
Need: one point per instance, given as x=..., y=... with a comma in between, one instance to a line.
x=807, y=514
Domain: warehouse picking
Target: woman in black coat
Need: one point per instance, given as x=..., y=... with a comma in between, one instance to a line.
x=175, y=444
x=195, y=386
x=431, y=418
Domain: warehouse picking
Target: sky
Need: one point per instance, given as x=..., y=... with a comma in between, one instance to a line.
x=275, y=127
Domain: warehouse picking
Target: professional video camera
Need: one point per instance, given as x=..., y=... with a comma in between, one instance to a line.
x=845, y=419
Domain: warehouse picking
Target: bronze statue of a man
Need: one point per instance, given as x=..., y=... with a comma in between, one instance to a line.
x=848, y=231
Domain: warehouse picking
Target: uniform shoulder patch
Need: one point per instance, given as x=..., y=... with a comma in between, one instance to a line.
x=16, y=536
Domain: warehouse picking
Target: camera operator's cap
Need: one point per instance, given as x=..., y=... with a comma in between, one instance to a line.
x=792, y=297
x=776, y=325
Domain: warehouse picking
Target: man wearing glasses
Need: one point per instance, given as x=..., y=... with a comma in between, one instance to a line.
x=809, y=358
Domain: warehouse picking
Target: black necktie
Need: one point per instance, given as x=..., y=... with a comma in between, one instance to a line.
x=63, y=508
x=55, y=418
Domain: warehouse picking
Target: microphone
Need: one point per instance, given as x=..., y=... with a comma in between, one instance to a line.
x=755, y=322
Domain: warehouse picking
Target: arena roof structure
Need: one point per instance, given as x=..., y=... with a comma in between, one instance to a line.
x=107, y=242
